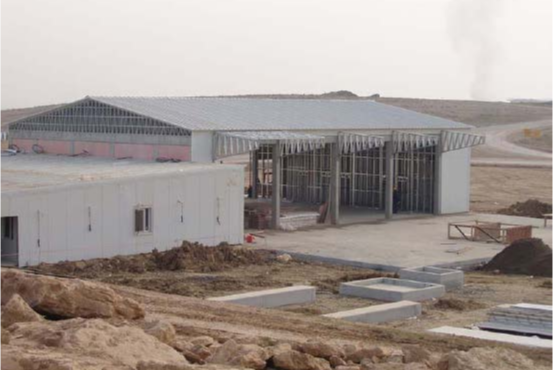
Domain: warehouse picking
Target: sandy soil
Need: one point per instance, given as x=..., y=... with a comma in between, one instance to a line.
x=493, y=188
x=326, y=278
x=481, y=292
x=199, y=317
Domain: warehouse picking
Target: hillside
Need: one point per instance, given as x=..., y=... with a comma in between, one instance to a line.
x=477, y=113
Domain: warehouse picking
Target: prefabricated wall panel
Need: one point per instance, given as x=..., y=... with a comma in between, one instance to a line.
x=96, y=219
x=455, y=181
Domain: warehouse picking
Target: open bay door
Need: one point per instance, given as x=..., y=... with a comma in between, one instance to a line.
x=10, y=241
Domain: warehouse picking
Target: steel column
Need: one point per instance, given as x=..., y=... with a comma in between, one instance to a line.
x=254, y=174
x=389, y=191
x=335, y=184
x=438, y=174
x=276, y=195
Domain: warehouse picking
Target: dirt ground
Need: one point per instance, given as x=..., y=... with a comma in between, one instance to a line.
x=462, y=307
x=542, y=143
x=228, y=280
x=493, y=188
x=477, y=113
x=470, y=304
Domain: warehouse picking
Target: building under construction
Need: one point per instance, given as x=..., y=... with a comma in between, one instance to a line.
x=341, y=154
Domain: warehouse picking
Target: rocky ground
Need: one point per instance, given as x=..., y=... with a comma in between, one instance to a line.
x=95, y=326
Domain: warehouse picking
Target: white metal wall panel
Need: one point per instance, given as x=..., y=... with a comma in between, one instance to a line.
x=455, y=181
x=236, y=208
x=161, y=192
x=202, y=147
x=178, y=210
x=207, y=208
x=110, y=219
x=93, y=235
x=75, y=223
x=64, y=220
x=193, y=203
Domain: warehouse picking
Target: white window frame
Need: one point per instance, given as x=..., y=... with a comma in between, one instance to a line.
x=147, y=218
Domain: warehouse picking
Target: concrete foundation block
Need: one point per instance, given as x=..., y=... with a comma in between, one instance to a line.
x=450, y=278
x=273, y=297
x=392, y=290
x=380, y=313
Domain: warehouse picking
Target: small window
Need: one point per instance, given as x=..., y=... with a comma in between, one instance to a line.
x=143, y=220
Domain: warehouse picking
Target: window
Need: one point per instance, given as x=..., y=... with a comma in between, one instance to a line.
x=143, y=220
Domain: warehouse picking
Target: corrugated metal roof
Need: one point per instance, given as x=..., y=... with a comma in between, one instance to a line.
x=236, y=114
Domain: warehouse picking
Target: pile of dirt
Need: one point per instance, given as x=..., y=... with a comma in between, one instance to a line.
x=531, y=208
x=192, y=257
x=523, y=257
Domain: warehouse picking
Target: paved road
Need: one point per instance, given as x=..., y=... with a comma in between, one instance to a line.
x=499, y=151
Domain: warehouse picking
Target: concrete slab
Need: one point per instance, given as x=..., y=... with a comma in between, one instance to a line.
x=450, y=278
x=380, y=313
x=272, y=297
x=392, y=290
x=498, y=337
x=400, y=243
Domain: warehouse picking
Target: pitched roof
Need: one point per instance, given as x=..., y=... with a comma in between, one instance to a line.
x=254, y=114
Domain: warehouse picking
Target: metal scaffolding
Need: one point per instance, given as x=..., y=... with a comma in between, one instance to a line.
x=90, y=116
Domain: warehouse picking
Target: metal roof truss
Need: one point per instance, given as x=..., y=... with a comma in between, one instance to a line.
x=233, y=142
x=353, y=142
x=408, y=141
x=452, y=140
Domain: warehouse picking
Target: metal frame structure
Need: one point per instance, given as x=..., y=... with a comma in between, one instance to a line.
x=311, y=155
x=88, y=116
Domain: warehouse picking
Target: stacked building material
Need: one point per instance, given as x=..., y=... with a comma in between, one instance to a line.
x=523, y=318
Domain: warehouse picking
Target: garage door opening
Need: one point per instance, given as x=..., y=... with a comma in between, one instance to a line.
x=10, y=241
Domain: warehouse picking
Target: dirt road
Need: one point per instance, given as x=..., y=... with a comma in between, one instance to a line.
x=501, y=150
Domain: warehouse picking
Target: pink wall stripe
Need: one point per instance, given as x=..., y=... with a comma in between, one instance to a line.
x=136, y=151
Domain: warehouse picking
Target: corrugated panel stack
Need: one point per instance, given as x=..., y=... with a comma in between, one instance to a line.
x=523, y=318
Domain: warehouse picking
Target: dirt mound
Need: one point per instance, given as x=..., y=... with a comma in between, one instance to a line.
x=206, y=259
x=531, y=208
x=523, y=257
x=193, y=257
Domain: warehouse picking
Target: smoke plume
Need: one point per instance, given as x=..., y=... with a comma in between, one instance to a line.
x=472, y=30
